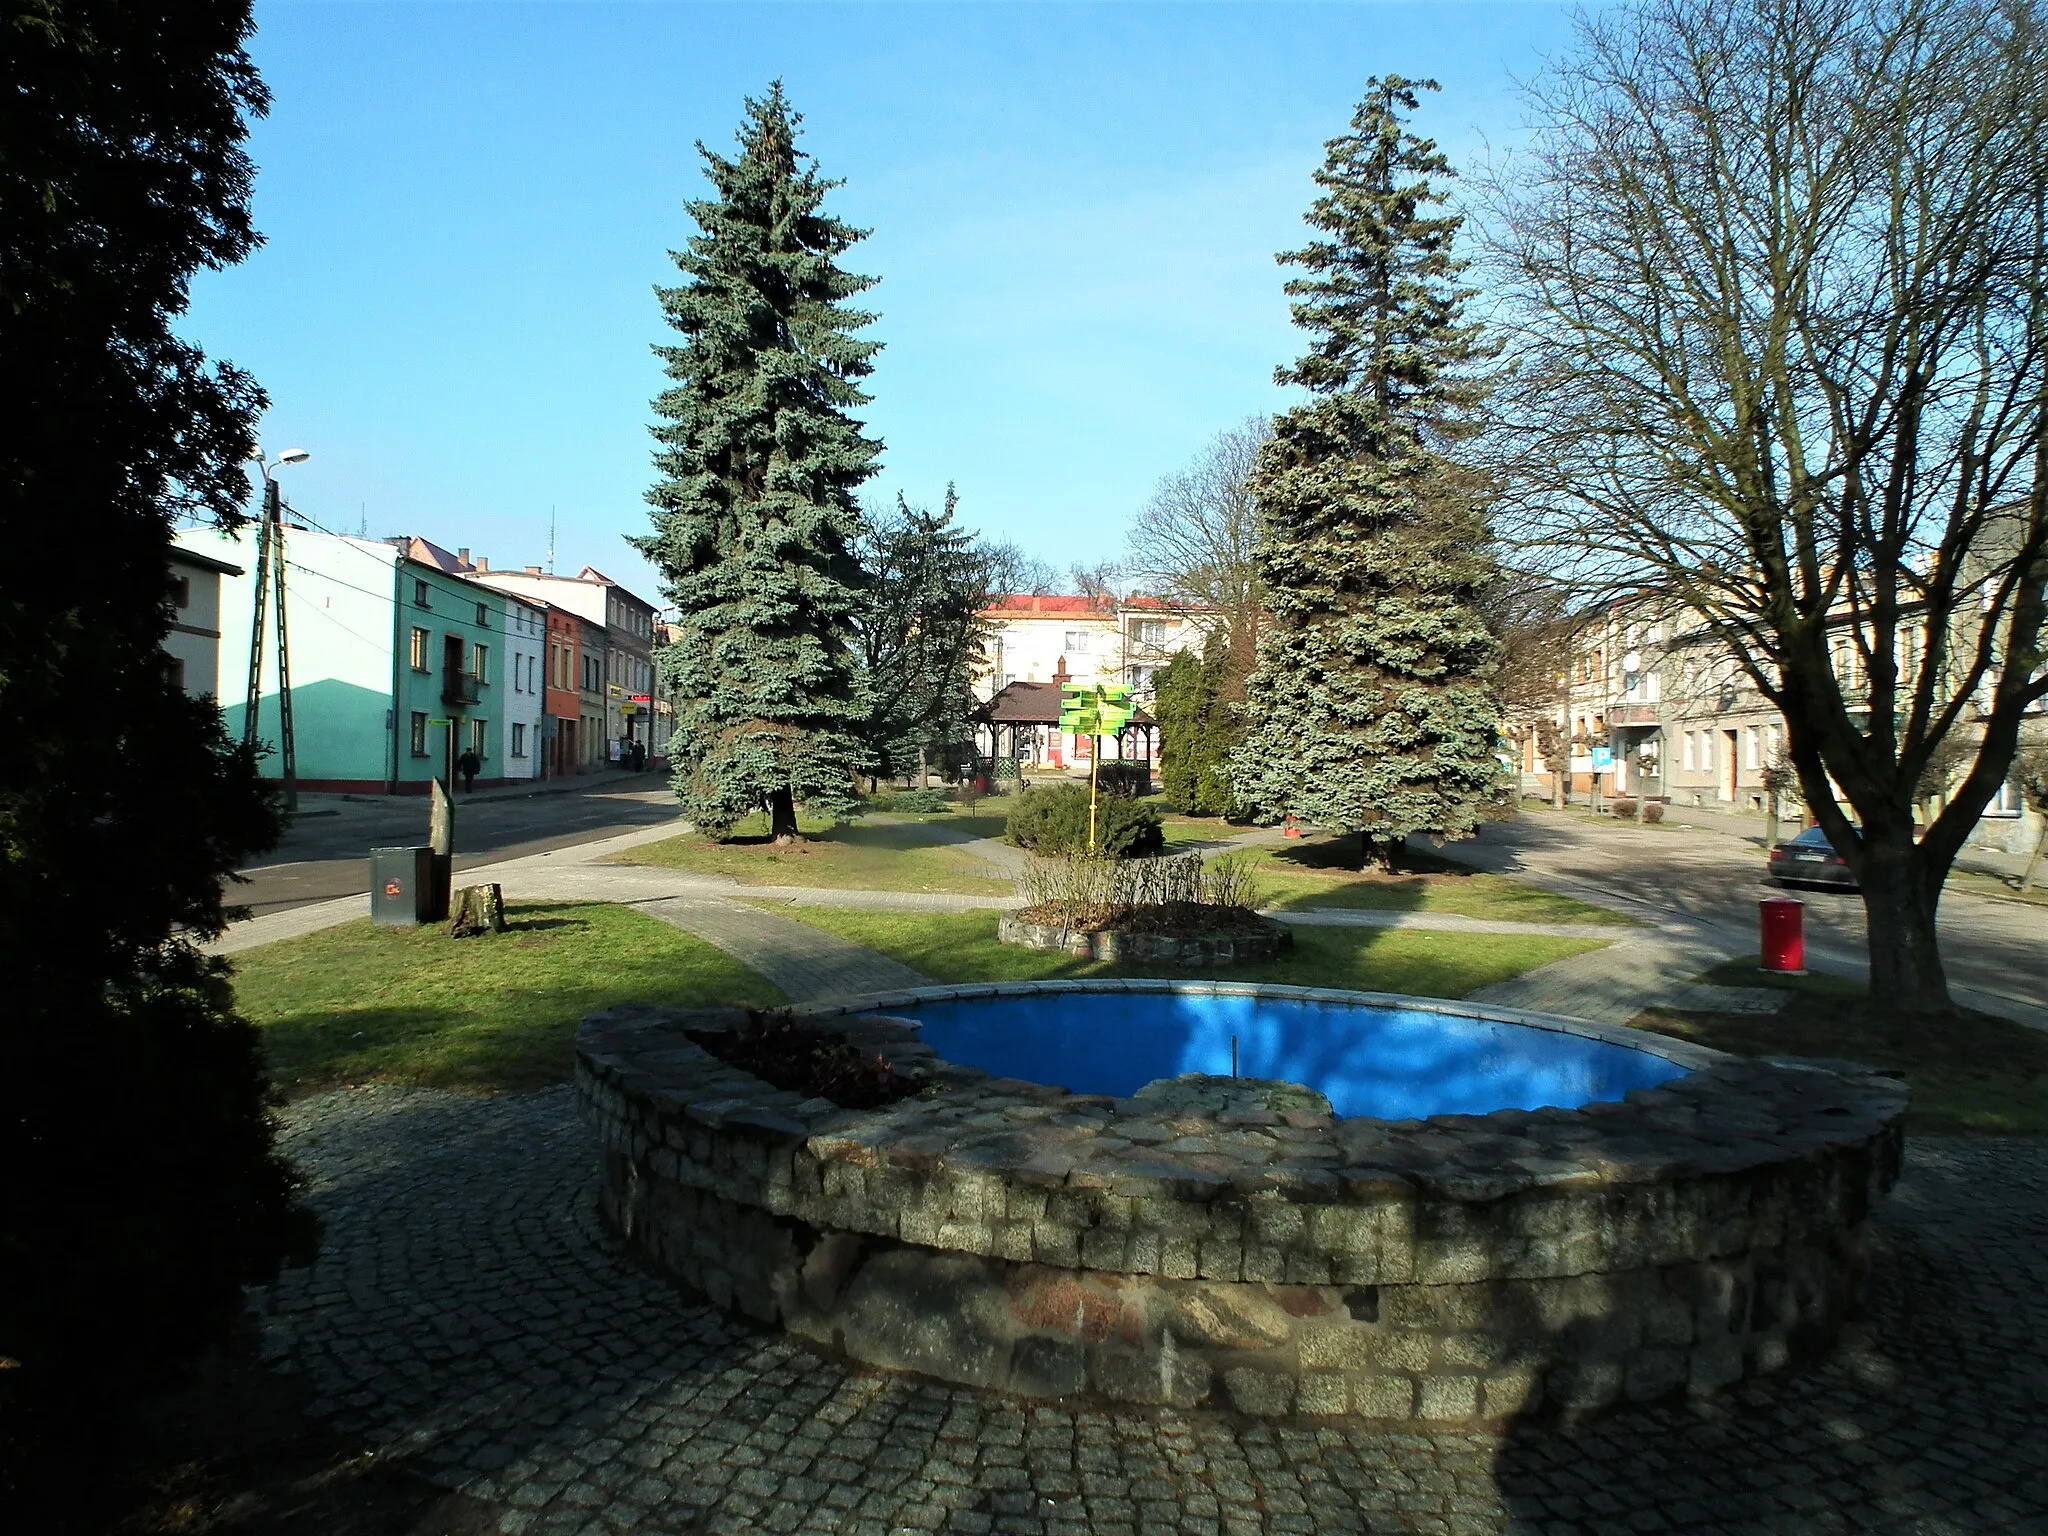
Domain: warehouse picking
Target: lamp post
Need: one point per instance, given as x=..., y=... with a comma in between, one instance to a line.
x=269, y=572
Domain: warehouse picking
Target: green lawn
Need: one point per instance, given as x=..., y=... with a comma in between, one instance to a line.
x=357, y=1003
x=882, y=853
x=1321, y=871
x=1968, y=1073
x=962, y=946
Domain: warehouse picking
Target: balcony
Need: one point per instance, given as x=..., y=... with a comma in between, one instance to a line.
x=1632, y=716
x=459, y=689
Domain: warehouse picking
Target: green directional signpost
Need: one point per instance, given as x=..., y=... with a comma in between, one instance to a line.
x=1094, y=710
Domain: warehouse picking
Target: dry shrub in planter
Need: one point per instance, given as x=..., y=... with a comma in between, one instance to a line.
x=1180, y=893
x=803, y=1058
x=1625, y=808
x=1653, y=812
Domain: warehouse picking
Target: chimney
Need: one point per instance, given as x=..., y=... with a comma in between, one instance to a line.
x=1061, y=675
x=483, y=565
x=462, y=557
x=533, y=570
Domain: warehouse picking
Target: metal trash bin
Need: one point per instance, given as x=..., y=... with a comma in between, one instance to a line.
x=401, y=886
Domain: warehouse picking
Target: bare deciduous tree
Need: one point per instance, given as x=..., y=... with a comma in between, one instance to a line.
x=1194, y=542
x=1777, y=272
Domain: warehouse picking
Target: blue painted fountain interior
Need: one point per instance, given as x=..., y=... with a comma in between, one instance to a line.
x=1388, y=1063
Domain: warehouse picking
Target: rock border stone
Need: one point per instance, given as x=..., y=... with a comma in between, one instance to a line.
x=1014, y=1235
x=1206, y=950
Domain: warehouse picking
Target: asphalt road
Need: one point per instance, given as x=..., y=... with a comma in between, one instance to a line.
x=1716, y=879
x=327, y=855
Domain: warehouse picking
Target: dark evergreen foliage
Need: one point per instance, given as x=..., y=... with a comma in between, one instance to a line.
x=1371, y=707
x=139, y=1191
x=755, y=518
x=1197, y=729
x=920, y=637
x=1053, y=819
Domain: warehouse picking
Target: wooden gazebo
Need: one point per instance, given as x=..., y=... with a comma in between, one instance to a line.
x=1021, y=706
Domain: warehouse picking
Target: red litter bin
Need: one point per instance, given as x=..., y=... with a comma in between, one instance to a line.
x=1783, y=931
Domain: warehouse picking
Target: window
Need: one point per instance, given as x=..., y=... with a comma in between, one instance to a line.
x=1077, y=641
x=419, y=731
x=1749, y=747
x=479, y=738
x=2007, y=802
x=181, y=592
x=421, y=640
x=483, y=615
x=519, y=741
x=479, y=664
x=178, y=673
x=419, y=594
x=1150, y=631
x=1691, y=752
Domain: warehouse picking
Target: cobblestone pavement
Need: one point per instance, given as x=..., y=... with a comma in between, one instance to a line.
x=807, y=963
x=473, y=1320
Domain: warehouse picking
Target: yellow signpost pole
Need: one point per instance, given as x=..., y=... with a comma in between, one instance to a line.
x=1094, y=768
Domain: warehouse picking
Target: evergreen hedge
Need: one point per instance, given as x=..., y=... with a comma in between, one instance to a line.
x=1054, y=820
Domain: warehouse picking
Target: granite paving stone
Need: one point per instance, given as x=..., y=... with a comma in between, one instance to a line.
x=470, y=1318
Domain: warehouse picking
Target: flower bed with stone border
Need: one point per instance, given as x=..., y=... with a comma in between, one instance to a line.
x=1013, y=1235
x=1203, y=949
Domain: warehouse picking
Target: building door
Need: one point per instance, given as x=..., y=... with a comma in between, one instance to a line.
x=1731, y=744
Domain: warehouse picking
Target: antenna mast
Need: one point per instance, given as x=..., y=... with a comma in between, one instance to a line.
x=551, y=540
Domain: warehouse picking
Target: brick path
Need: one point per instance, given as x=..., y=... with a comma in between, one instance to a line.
x=807, y=963
x=472, y=1319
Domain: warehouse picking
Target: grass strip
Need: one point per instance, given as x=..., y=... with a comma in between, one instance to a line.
x=885, y=854
x=1970, y=1073
x=358, y=1003
x=962, y=947
x=1321, y=872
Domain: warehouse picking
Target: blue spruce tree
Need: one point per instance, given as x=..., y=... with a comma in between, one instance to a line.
x=1372, y=708
x=755, y=517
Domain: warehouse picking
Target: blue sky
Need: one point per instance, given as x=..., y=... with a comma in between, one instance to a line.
x=1074, y=212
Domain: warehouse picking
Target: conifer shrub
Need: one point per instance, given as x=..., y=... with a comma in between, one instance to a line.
x=1125, y=780
x=1054, y=820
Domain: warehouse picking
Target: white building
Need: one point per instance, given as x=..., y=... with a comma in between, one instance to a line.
x=526, y=644
x=1037, y=639
x=1049, y=640
x=193, y=644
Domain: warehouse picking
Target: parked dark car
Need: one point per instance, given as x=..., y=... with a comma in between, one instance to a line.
x=1810, y=859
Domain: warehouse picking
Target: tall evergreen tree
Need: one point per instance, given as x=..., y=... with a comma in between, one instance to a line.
x=1197, y=731
x=755, y=518
x=139, y=1192
x=1371, y=707
x=921, y=636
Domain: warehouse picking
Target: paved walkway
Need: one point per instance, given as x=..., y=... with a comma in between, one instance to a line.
x=807, y=963
x=474, y=1322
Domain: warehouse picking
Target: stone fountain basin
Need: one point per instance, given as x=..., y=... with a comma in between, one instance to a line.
x=1464, y=1267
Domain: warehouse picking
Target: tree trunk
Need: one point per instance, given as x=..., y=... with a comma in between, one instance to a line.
x=782, y=818
x=2040, y=846
x=1906, y=973
x=1377, y=852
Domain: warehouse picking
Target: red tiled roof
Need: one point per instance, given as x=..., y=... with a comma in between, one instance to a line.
x=1031, y=704
x=1038, y=605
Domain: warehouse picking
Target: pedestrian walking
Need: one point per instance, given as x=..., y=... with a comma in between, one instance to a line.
x=469, y=765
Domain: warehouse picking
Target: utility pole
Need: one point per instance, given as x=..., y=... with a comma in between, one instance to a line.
x=269, y=571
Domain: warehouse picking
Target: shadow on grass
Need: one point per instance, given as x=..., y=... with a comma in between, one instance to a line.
x=1970, y=1073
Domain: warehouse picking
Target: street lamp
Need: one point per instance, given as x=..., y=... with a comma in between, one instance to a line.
x=269, y=572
